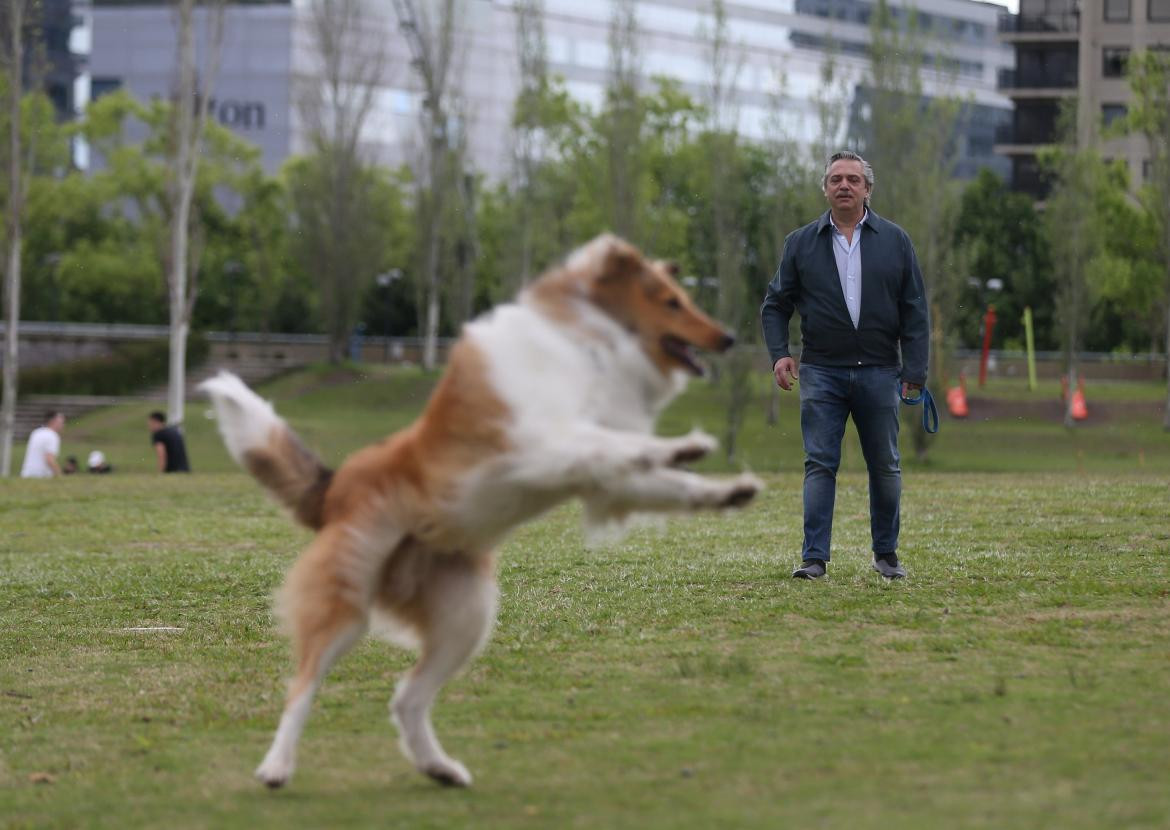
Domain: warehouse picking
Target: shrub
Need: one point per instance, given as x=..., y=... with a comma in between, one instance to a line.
x=131, y=367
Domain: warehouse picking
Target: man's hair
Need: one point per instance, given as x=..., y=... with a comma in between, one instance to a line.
x=51, y=414
x=849, y=155
x=158, y=416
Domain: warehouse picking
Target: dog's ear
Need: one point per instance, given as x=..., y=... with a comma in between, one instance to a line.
x=620, y=261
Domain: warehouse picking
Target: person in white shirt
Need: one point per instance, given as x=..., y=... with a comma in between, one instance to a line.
x=44, y=445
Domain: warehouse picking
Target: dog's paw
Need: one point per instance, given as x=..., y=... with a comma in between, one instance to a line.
x=273, y=773
x=691, y=447
x=448, y=772
x=741, y=490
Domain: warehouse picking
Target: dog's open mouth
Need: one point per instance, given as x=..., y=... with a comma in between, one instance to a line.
x=681, y=351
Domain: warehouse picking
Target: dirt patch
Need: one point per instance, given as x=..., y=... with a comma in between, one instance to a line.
x=1100, y=412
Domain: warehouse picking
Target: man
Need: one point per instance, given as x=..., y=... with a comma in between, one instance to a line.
x=854, y=278
x=44, y=445
x=168, y=445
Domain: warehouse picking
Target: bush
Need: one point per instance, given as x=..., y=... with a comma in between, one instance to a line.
x=131, y=367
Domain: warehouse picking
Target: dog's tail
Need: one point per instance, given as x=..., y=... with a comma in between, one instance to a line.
x=264, y=445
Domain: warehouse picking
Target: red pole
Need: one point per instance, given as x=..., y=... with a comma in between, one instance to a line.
x=988, y=325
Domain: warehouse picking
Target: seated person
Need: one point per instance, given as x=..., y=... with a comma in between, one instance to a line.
x=168, y=445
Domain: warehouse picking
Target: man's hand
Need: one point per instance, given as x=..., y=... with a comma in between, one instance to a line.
x=908, y=388
x=785, y=372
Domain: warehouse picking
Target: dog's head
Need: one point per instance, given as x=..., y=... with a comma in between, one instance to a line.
x=644, y=297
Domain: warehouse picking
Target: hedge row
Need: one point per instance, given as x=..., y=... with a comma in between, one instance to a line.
x=127, y=370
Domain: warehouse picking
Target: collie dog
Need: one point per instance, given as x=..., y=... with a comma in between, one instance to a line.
x=548, y=398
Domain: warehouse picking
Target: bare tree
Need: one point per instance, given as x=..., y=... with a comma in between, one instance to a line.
x=337, y=220
x=623, y=127
x=532, y=54
x=725, y=64
x=12, y=51
x=432, y=48
x=189, y=119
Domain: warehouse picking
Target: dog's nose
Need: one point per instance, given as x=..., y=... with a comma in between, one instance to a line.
x=727, y=342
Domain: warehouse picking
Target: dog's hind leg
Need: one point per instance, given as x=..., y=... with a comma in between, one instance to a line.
x=325, y=603
x=453, y=614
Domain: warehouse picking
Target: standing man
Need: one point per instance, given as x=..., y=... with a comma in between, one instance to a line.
x=44, y=445
x=168, y=445
x=854, y=278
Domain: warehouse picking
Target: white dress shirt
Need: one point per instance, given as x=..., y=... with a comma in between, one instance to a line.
x=848, y=256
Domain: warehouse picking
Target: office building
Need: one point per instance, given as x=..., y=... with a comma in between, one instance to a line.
x=268, y=50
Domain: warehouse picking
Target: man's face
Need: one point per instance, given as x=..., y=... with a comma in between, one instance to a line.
x=845, y=186
x=155, y=426
x=57, y=423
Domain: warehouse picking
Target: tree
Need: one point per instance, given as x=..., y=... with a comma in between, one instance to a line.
x=532, y=55
x=132, y=190
x=184, y=152
x=12, y=26
x=432, y=44
x=1003, y=233
x=334, y=190
x=1149, y=115
x=721, y=142
x=1072, y=226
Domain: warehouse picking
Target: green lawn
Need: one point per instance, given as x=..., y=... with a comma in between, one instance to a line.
x=678, y=679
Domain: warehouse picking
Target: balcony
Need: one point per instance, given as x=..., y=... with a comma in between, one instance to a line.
x=1027, y=136
x=1009, y=79
x=1066, y=23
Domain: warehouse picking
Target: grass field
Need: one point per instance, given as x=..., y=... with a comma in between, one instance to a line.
x=678, y=679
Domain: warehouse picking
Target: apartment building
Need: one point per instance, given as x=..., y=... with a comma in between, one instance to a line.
x=1074, y=51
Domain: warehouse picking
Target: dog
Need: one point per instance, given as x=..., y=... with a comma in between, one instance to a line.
x=551, y=397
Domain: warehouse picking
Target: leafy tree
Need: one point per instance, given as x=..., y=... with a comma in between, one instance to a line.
x=336, y=191
x=1149, y=115
x=1005, y=237
x=129, y=207
x=1073, y=227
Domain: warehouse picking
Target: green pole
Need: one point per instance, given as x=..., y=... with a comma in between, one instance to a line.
x=1031, y=348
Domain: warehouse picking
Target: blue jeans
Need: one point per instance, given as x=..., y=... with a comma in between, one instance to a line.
x=828, y=396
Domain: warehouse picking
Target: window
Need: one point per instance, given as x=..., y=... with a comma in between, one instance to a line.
x=1118, y=11
x=1112, y=112
x=1114, y=58
x=103, y=86
x=1159, y=10
x=1147, y=170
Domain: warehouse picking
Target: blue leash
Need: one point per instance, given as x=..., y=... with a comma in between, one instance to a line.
x=929, y=410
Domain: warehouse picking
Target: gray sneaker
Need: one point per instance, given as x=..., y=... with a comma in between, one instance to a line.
x=810, y=569
x=888, y=566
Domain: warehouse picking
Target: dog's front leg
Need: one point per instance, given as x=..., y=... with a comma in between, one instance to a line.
x=667, y=489
x=595, y=447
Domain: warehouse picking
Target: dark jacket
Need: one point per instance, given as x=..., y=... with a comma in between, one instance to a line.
x=893, y=301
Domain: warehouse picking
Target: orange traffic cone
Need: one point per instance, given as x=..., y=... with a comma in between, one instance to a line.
x=957, y=398
x=1079, y=410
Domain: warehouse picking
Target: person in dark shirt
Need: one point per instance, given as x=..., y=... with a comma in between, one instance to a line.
x=855, y=280
x=168, y=445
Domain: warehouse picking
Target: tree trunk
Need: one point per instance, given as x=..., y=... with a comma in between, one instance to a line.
x=1166, y=413
x=1072, y=380
x=15, y=227
x=434, y=284
x=11, y=339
